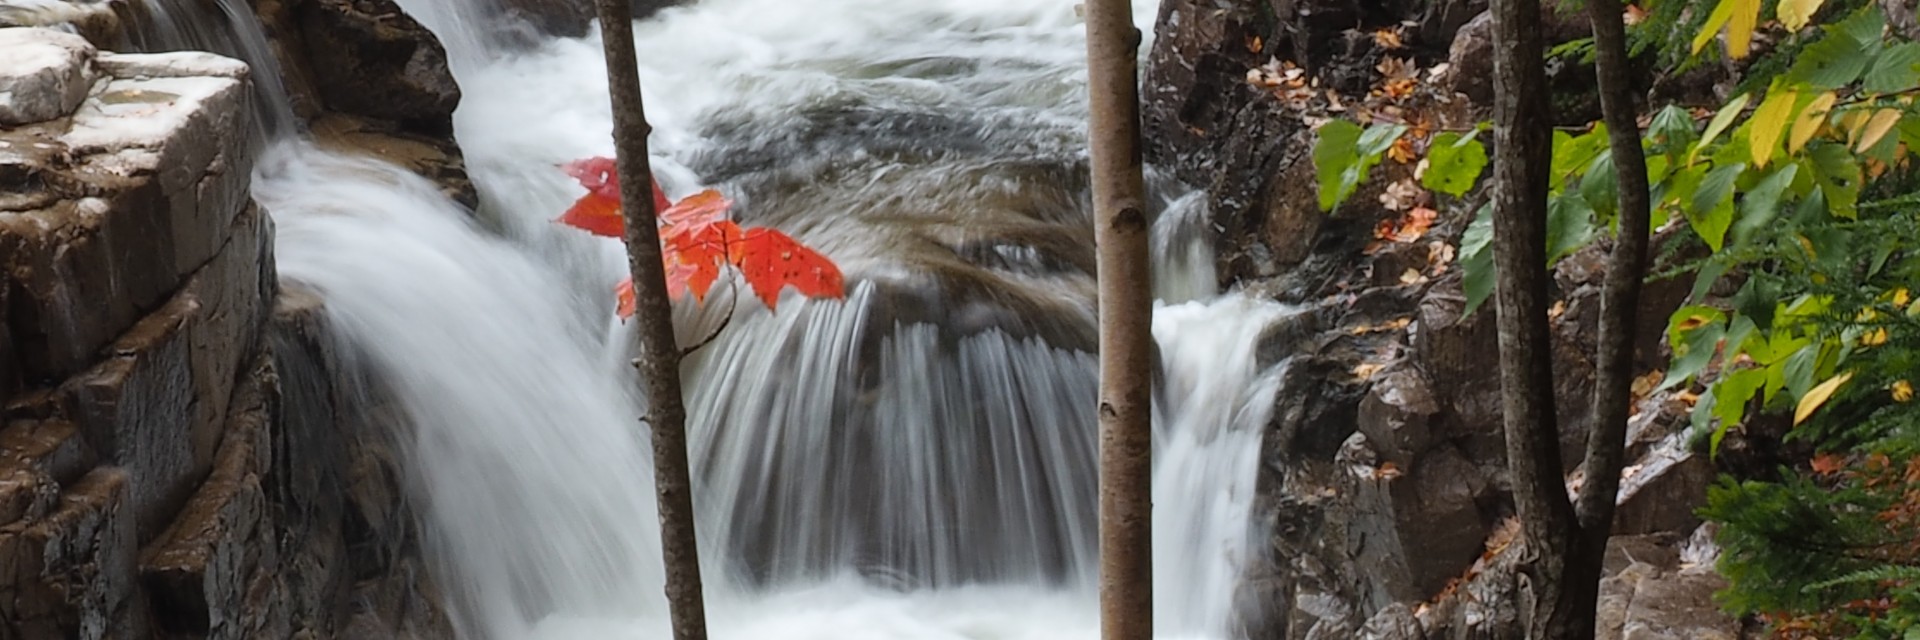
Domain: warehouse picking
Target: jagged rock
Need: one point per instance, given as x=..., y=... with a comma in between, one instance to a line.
x=70, y=574
x=369, y=58
x=1396, y=414
x=1395, y=622
x=202, y=570
x=44, y=76
x=157, y=405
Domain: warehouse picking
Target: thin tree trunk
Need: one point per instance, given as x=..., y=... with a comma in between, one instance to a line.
x=1126, y=309
x=659, y=361
x=1523, y=144
x=1613, y=384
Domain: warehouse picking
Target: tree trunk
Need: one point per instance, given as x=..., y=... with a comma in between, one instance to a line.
x=659, y=361
x=1613, y=376
x=1126, y=318
x=1523, y=144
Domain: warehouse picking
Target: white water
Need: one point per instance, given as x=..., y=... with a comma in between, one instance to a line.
x=860, y=475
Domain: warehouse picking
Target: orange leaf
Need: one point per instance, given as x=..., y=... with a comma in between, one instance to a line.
x=601, y=175
x=693, y=212
x=596, y=213
x=1827, y=463
x=771, y=260
x=623, y=293
x=693, y=257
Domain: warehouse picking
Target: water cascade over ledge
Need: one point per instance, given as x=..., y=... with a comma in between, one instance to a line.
x=916, y=461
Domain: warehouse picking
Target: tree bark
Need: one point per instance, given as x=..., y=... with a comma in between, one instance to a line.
x=1126, y=318
x=1523, y=148
x=1619, y=301
x=659, y=361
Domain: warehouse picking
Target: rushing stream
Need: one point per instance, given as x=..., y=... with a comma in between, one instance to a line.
x=915, y=461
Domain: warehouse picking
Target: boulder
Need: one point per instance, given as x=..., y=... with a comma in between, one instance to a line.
x=369, y=58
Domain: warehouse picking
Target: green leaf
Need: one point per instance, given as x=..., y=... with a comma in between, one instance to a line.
x=1600, y=187
x=1570, y=225
x=1800, y=368
x=1477, y=272
x=1454, y=163
x=1334, y=151
x=1837, y=58
x=1837, y=172
x=1672, y=128
x=1695, y=332
x=1730, y=398
x=1711, y=211
x=1573, y=154
x=1761, y=204
x=1719, y=124
x=1894, y=70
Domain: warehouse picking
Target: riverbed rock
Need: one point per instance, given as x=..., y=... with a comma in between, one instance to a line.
x=369, y=58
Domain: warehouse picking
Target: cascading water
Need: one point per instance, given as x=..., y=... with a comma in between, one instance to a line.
x=913, y=462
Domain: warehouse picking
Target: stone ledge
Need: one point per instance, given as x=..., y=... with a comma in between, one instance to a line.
x=44, y=74
x=117, y=201
x=157, y=404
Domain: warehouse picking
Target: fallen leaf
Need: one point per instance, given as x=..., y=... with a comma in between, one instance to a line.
x=1366, y=370
x=1827, y=463
x=1388, y=38
x=1412, y=276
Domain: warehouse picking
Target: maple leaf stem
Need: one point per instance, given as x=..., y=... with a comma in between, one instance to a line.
x=724, y=322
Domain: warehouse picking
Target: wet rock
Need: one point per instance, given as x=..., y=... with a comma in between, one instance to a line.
x=436, y=158
x=1395, y=622
x=70, y=574
x=44, y=75
x=201, y=570
x=369, y=58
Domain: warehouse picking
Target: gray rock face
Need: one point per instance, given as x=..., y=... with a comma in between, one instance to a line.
x=148, y=462
x=43, y=74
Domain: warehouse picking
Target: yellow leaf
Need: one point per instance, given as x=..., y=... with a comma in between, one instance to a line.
x=1898, y=297
x=1902, y=391
x=1769, y=121
x=1855, y=122
x=1746, y=13
x=1874, y=337
x=1877, y=128
x=1817, y=396
x=1795, y=13
x=1715, y=20
x=1809, y=122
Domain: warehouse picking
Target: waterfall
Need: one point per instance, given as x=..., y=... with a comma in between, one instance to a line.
x=915, y=461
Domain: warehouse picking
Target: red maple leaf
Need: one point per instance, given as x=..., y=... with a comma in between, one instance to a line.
x=598, y=212
x=697, y=241
x=694, y=257
x=771, y=260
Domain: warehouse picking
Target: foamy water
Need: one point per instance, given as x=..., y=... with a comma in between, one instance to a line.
x=857, y=476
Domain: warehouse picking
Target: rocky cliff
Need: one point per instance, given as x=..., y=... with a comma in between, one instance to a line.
x=183, y=455
x=1384, y=492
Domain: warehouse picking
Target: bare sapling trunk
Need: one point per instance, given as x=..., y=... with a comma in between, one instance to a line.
x=1126, y=310
x=1523, y=148
x=659, y=361
x=1619, y=301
